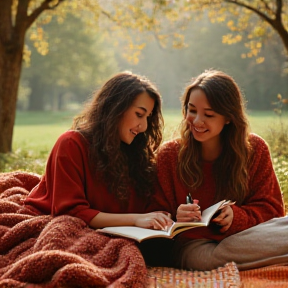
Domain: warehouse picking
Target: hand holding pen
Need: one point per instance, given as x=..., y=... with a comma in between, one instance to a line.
x=190, y=211
x=189, y=199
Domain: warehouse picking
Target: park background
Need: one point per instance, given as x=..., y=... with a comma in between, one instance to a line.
x=66, y=58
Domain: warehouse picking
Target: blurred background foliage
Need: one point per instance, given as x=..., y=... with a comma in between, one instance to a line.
x=77, y=61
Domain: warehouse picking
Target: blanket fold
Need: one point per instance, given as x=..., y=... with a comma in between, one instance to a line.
x=59, y=251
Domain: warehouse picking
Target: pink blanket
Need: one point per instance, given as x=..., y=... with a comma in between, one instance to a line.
x=46, y=251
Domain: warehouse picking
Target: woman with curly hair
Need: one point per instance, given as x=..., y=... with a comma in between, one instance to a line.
x=105, y=164
x=217, y=158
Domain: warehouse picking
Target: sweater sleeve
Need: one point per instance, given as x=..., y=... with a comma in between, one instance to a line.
x=65, y=178
x=265, y=199
x=166, y=172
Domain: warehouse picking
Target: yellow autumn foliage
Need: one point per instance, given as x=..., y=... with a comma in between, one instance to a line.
x=160, y=18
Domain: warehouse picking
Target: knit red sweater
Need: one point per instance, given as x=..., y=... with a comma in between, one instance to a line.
x=70, y=187
x=265, y=203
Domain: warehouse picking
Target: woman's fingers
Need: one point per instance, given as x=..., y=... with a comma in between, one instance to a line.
x=188, y=212
x=161, y=221
x=192, y=216
x=224, y=219
x=188, y=207
x=158, y=226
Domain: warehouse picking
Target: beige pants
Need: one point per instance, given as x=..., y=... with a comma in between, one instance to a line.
x=262, y=245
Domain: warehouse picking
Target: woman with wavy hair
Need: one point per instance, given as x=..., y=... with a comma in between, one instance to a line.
x=105, y=166
x=217, y=158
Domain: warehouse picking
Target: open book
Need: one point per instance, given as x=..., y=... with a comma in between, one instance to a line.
x=140, y=234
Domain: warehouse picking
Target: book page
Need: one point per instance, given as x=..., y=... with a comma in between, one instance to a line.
x=179, y=225
x=140, y=234
x=134, y=232
x=208, y=213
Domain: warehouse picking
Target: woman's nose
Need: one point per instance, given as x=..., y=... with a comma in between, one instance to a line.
x=143, y=126
x=198, y=121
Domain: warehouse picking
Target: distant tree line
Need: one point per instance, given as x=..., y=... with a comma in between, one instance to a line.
x=77, y=63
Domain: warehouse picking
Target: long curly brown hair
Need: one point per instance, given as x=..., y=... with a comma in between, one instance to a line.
x=121, y=165
x=230, y=170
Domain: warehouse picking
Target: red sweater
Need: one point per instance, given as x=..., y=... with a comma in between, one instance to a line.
x=265, y=203
x=70, y=187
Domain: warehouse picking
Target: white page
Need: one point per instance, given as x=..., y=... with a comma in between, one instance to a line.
x=133, y=232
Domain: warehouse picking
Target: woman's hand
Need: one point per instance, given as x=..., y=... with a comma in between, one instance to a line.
x=188, y=213
x=159, y=220
x=224, y=219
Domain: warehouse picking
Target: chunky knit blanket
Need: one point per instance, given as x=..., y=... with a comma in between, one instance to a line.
x=46, y=251
x=50, y=252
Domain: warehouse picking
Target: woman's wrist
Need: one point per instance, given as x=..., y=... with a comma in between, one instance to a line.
x=110, y=219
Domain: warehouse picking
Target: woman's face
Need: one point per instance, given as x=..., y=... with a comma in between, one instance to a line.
x=205, y=123
x=134, y=120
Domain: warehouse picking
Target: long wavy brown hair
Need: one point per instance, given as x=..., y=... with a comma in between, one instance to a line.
x=230, y=170
x=121, y=165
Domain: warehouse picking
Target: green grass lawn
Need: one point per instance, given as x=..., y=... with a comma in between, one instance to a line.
x=38, y=131
x=262, y=122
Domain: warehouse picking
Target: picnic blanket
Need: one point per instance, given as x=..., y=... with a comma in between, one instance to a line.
x=228, y=276
x=272, y=276
x=62, y=251
x=59, y=251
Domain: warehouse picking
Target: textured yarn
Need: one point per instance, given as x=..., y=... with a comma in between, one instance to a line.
x=59, y=251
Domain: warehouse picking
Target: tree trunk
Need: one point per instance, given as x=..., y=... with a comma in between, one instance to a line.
x=13, y=27
x=36, y=98
x=10, y=69
x=61, y=101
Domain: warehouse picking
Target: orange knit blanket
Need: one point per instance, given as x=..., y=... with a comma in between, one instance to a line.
x=46, y=251
x=52, y=252
x=273, y=276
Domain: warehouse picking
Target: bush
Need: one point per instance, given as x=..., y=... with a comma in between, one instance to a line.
x=278, y=143
x=24, y=160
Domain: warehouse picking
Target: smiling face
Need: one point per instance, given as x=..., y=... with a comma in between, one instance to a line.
x=205, y=124
x=134, y=120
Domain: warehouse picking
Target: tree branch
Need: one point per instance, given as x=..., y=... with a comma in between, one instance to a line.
x=276, y=23
x=251, y=8
x=108, y=15
x=45, y=5
x=278, y=13
x=267, y=6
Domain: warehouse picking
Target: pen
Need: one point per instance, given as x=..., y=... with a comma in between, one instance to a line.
x=189, y=199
